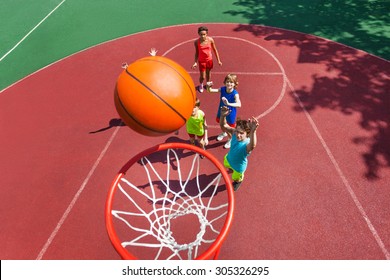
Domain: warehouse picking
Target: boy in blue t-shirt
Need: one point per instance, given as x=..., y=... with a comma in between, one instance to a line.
x=243, y=141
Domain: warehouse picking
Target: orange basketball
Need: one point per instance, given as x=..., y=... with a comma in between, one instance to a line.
x=154, y=96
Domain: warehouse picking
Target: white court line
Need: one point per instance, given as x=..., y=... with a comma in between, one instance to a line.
x=342, y=176
x=32, y=30
x=77, y=195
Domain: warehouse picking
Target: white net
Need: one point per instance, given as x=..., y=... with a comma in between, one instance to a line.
x=176, y=213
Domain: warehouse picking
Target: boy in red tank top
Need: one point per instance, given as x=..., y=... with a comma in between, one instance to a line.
x=204, y=46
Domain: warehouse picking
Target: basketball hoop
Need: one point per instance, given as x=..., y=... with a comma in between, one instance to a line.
x=182, y=208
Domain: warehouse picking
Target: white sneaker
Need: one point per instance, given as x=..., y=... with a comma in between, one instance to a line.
x=201, y=88
x=227, y=144
x=221, y=136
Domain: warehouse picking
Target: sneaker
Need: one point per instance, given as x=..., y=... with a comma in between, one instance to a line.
x=202, y=156
x=227, y=144
x=221, y=136
x=201, y=88
x=236, y=185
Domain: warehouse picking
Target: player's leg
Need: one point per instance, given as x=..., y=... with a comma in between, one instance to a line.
x=209, y=66
x=191, y=138
x=202, y=143
x=223, y=134
x=202, y=75
x=237, y=177
x=208, y=75
x=228, y=142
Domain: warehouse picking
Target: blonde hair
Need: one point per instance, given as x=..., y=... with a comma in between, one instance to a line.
x=231, y=78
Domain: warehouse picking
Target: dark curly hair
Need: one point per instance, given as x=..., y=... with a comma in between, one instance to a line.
x=244, y=124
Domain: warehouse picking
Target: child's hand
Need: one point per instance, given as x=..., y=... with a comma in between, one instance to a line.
x=225, y=101
x=153, y=52
x=253, y=123
x=209, y=86
x=224, y=111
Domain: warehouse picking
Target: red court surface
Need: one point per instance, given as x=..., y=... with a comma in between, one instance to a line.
x=317, y=184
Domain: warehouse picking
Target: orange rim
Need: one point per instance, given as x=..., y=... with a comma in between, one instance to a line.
x=213, y=250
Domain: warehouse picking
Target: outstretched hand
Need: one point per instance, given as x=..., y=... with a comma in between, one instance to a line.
x=253, y=123
x=224, y=111
x=153, y=52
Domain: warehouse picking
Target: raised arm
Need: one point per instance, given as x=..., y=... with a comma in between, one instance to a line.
x=222, y=120
x=253, y=124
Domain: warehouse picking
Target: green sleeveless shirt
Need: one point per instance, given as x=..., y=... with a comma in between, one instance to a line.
x=195, y=124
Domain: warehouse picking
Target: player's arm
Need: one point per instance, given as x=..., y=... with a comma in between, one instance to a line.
x=206, y=137
x=253, y=124
x=237, y=101
x=214, y=47
x=209, y=88
x=222, y=120
x=196, y=54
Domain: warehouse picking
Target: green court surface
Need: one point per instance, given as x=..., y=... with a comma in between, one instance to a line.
x=34, y=34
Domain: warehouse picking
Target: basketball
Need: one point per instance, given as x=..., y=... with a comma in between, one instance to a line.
x=154, y=96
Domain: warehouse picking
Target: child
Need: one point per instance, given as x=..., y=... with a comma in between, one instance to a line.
x=244, y=140
x=230, y=98
x=203, y=55
x=197, y=126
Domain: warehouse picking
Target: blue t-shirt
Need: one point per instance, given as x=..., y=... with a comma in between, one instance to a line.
x=237, y=155
x=231, y=97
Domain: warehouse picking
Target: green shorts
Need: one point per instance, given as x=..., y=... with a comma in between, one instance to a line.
x=236, y=176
